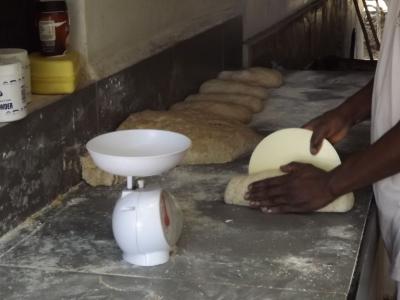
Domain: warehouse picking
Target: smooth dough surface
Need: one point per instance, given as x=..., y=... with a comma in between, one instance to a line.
x=264, y=77
x=288, y=145
x=221, y=86
x=227, y=110
x=293, y=144
x=253, y=103
x=238, y=185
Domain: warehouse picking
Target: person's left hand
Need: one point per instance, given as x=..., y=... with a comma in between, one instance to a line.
x=304, y=188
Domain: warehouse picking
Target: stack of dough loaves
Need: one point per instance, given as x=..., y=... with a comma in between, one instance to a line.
x=214, y=119
x=242, y=92
x=215, y=139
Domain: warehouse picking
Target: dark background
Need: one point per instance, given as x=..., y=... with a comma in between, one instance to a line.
x=17, y=24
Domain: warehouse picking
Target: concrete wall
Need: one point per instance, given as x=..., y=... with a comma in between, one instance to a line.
x=262, y=14
x=112, y=35
x=40, y=154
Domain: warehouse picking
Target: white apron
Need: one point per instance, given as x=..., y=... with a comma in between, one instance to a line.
x=386, y=114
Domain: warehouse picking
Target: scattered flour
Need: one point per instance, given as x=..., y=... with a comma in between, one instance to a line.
x=76, y=201
x=342, y=232
x=182, y=177
x=300, y=264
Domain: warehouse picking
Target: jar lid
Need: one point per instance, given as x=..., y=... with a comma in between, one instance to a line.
x=7, y=68
x=52, y=6
x=14, y=53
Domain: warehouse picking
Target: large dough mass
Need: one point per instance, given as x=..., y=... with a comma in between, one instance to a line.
x=278, y=149
x=238, y=185
x=288, y=145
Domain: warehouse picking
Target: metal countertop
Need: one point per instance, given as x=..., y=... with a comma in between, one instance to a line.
x=225, y=252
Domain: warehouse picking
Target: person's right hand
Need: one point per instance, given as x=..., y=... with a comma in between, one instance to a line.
x=332, y=125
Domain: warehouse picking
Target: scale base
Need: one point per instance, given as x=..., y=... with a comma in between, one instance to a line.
x=148, y=259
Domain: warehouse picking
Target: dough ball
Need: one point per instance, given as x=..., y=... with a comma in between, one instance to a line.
x=253, y=103
x=226, y=110
x=263, y=77
x=220, y=86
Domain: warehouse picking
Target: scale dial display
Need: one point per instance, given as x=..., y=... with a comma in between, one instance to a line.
x=171, y=218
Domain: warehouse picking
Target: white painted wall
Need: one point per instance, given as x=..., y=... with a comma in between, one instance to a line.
x=262, y=14
x=111, y=35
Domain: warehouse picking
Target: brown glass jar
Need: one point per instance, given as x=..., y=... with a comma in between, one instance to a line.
x=53, y=25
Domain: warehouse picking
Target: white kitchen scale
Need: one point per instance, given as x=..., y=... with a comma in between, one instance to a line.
x=146, y=220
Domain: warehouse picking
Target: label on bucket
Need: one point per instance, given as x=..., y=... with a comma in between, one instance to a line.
x=12, y=99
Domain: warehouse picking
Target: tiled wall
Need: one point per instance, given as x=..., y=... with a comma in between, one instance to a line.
x=40, y=154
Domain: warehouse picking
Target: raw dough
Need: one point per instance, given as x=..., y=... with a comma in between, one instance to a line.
x=267, y=78
x=293, y=144
x=227, y=110
x=214, y=139
x=220, y=86
x=96, y=177
x=238, y=185
x=253, y=103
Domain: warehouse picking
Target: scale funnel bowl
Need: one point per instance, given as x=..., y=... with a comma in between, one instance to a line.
x=138, y=152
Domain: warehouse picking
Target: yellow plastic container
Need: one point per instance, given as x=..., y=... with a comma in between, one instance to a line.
x=54, y=74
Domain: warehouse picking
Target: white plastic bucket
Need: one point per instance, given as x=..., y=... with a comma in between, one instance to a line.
x=12, y=94
x=10, y=55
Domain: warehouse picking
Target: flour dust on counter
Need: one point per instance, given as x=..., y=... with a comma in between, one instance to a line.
x=341, y=232
x=190, y=182
x=305, y=95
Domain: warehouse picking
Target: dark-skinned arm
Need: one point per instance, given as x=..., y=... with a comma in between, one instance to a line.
x=306, y=188
x=335, y=124
x=378, y=161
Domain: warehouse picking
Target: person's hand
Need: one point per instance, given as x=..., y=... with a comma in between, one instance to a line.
x=304, y=188
x=332, y=125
